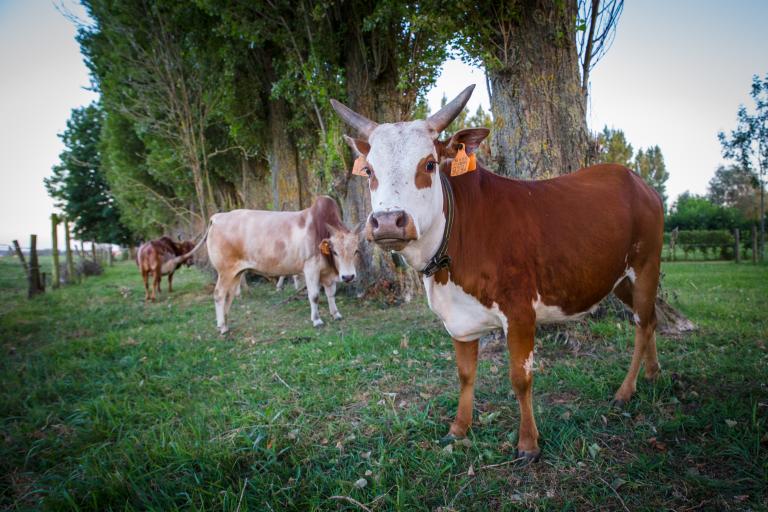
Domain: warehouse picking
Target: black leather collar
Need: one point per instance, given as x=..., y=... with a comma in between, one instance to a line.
x=441, y=258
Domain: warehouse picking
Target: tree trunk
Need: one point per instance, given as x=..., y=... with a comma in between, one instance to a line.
x=287, y=182
x=371, y=88
x=540, y=127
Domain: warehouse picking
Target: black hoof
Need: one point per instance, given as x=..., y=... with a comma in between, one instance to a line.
x=618, y=403
x=450, y=438
x=525, y=457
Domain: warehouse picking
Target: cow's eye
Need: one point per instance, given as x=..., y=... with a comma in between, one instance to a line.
x=367, y=171
x=431, y=166
x=334, y=253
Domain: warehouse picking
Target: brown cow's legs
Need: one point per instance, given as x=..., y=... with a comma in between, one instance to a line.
x=520, y=344
x=145, y=278
x=640, y=297
x=466, y=363
x=170, y=282
x=157, y=277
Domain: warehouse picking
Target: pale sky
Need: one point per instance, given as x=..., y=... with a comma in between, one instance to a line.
x=674, y=77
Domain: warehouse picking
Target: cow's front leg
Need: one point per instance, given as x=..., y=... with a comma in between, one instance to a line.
x=520, y=338
x=170, y=282
x=330, y=294
x=313, y=292
x=466, y=364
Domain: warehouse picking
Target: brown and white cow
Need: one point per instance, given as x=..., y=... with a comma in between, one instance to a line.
x=313, y=241
x=517, y=252
x=162, y=257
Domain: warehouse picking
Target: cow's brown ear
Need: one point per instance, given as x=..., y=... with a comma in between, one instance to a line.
x=470, y=137
x=325, y=247
x=359, y=146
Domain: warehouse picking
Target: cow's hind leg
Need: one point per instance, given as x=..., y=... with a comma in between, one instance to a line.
x=222, y=298
x=520, y=338
x=170, y=282
x=156, y=278
x=466, y=364
x=145, y=278
x=640, y=297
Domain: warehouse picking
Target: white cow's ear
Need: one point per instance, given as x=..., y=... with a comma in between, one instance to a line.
x=326, y=247
x=359, y=146
x=470, y=137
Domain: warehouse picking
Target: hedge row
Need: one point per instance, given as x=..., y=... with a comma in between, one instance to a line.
x=713, y=244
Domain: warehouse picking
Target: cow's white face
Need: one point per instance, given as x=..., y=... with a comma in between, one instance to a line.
x=402, y=163
x=406, y=194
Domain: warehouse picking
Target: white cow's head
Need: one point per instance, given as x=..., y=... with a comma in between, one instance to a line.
x=402, y=161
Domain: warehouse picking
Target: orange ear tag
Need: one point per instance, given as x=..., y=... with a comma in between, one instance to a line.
x=462, y=163
x=357, y=169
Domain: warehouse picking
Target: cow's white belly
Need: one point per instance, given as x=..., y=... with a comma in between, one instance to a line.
x=464, y=317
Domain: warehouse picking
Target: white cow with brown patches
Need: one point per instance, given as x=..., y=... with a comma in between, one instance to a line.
x=313, y=242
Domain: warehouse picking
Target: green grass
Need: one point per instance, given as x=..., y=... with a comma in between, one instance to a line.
x=110, y=403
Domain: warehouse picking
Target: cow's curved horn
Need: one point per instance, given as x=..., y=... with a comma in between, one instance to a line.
x=443, y=117
x=360, y=123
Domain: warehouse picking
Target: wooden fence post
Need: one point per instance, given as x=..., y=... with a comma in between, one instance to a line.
x=68, y=243
x=93, y=251
x=736, y=253
x=55, y=249
x=20, y=254
x=35, y=286
x=110, y=256
x=754, y=243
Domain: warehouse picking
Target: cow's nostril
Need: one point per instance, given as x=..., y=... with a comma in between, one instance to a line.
x=374, y=223
x=400, y=220
x=348, y=278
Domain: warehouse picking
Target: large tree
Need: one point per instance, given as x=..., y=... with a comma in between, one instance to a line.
x=649, y=164
x=79, y=185
x=747, y=144
x=538, y=100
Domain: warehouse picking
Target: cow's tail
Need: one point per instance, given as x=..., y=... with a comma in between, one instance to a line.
x=178, y=260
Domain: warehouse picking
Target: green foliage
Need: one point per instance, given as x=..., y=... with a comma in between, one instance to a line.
x=614, y=148
x=111, y=404
x=692, y=212
x=649, y=164
x=714, y=244
x=79, y=185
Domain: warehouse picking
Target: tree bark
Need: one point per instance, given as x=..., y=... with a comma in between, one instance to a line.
x=371, y=87
x=540, y=127
x=68, y=244
x=287, y=183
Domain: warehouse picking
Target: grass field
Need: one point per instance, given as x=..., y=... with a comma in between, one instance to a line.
x=110, y=403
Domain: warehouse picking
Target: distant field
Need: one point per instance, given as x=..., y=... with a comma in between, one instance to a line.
x=110, y=403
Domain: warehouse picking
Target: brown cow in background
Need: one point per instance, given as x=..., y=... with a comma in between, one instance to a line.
x=162, y=257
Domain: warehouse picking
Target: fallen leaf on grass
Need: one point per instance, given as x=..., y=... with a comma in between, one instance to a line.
x=361, y=483
x=658, y=445
x=731, y=423
x=594, y=449
x=448, y=449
